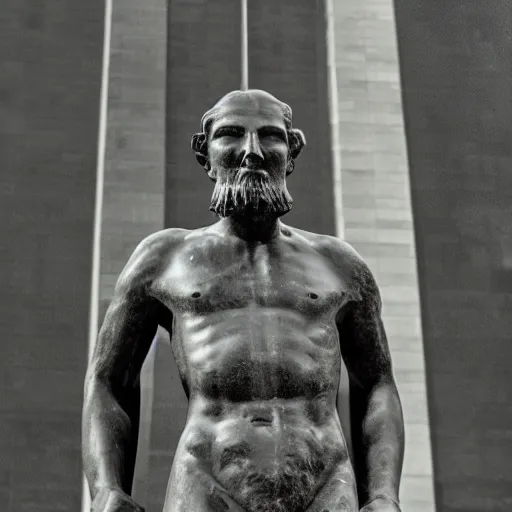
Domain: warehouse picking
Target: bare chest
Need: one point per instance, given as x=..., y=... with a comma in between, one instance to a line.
x=207, y=280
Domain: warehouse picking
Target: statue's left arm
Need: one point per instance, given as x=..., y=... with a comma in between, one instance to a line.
x=375, y=408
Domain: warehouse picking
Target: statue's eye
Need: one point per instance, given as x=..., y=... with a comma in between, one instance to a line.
x=229, y=131
x=272, y=135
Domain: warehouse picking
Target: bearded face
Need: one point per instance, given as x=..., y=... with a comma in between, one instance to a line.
x=249, y=156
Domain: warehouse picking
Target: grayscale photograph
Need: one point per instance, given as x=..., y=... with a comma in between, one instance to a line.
x=256, y=256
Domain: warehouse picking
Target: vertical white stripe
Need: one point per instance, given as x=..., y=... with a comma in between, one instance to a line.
x=245, y=47
x=343, y=402
x=334, y=120
x=100, y=178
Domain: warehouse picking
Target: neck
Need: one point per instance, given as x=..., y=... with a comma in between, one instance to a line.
x=253, y=228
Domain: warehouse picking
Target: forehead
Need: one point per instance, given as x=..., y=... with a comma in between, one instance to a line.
x=249, y=112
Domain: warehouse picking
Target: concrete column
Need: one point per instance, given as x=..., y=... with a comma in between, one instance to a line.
x=376, y=206
x=130, y=202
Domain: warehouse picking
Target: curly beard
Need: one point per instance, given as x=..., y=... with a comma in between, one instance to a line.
x=249, y=192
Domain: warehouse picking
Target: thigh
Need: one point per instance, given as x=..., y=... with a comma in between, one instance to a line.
x=192, y=489
x=339, y=493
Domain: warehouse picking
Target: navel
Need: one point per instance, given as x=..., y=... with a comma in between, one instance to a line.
x=312, y=295
x=196, y=295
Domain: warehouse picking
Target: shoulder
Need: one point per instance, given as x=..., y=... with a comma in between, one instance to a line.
x=352, y=265
x=343, y=255
x=341, y=252
x=159, y=243
x=349, y=264
x=148, y=258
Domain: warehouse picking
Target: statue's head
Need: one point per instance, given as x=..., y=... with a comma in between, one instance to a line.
x=247, y=147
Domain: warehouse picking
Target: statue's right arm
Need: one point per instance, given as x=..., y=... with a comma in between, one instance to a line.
x=110, y=419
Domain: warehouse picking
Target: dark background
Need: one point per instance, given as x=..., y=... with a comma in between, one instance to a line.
x=50, y=72
x=456, y=71
x=456, y=76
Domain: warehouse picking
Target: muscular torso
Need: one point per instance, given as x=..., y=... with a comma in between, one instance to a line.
x=255, y=339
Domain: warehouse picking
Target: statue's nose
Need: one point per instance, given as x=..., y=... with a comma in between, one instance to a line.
x=252, y=149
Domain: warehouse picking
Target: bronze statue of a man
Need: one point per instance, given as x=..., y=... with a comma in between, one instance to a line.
x=260, y=315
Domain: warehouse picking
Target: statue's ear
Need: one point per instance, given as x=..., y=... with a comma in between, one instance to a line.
x=199, y=146
x=297, y=142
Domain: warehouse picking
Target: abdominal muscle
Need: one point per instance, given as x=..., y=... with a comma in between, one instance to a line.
x=262, y=423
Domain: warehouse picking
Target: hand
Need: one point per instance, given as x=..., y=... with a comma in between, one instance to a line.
x=114, y=500
x=381, y=505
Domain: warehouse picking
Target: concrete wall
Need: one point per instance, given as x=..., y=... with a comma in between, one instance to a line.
x=376, y=210
x=50, y=61
x=457, y=89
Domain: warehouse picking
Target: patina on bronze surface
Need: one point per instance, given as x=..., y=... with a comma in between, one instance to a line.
x=260, y=315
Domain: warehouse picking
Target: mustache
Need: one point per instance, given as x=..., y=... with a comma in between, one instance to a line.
x=248, y=191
